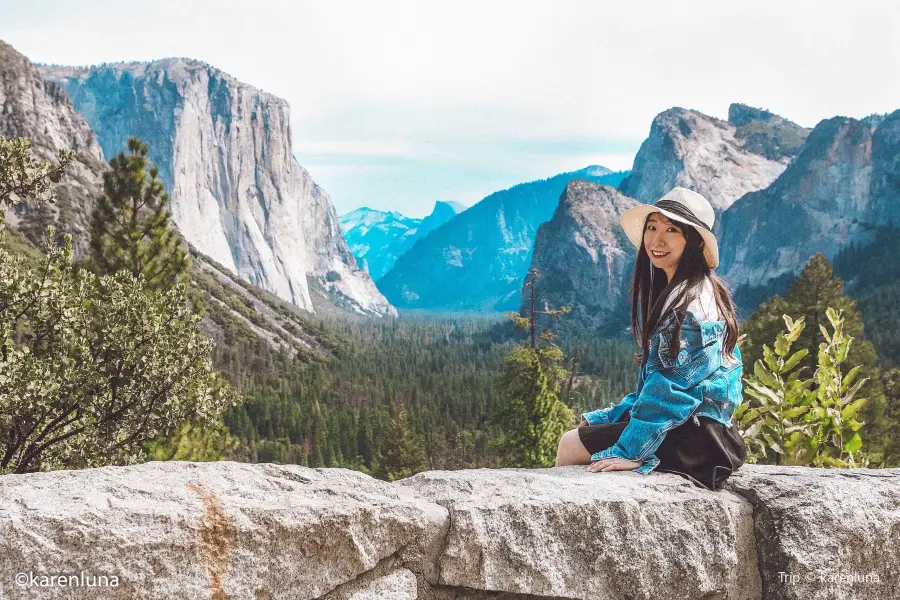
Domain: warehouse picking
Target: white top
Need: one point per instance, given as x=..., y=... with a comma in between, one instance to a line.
x=703, y=306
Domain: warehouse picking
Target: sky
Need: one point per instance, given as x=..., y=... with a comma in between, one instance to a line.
x=397, y=104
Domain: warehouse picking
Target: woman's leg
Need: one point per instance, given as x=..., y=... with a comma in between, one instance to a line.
x=571, y=451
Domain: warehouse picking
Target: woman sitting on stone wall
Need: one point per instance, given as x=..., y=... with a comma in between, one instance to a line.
x=689, y=381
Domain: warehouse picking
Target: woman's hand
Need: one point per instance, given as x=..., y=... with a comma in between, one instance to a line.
x=613, y=464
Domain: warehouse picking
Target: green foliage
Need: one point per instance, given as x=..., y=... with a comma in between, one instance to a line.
x=90, y=367
x=194, y=441
x=891, y=382
x=405, y=453
x=442, y=370
x=338, y=413
x=813, y=292
x=872, y=273
x=93, y=367
x=803, y=421
x=532, y=415
x=772, y=139
x=360, y=386
x=529, y=322
x=22, y=176
x=19, y=245
x=130, y=225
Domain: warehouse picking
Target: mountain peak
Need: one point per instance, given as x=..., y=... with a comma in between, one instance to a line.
x=742, y=114
x=595, y=170
x=176, y=68
x=708, y=155
x=456, y=206
x=766, y=133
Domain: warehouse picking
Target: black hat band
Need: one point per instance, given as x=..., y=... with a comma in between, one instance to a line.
x=682, y=211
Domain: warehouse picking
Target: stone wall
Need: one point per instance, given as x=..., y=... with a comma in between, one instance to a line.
x=262, y=532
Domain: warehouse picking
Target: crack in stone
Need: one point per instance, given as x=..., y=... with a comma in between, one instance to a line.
x=445, y=541
x=753, y=499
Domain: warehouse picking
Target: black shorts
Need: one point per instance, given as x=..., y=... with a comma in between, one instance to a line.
x=706, y=453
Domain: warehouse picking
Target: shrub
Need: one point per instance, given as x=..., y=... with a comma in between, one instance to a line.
x=803, y=421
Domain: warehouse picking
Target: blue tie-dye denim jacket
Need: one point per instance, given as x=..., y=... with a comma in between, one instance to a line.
x=699, y=380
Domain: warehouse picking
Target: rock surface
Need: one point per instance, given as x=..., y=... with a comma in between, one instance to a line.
x=689, y=149
x=562, y=532
x=824, y=533
x=223, y=149
x=399, y=584
x=585, y=258
x=42, y=112
x=261, y=531
x=766, y=133
x=885, y=187
x=821, y=203
x=214, y=530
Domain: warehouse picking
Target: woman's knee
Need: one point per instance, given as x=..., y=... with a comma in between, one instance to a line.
x=566, y=438
x=571, y=450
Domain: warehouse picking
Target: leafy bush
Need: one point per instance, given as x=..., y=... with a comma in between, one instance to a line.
x=22, y=176
x=803, y=421
x=91, y=368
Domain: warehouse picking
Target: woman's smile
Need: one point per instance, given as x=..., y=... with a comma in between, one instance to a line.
x=656, y=254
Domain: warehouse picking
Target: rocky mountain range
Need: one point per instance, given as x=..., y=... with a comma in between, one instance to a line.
x=835, y=185
x=223, y=149
x=781, y=193
x=842, y=184
x=41, y=112
x=723, y=160
x=377, y=238
x=476, y=260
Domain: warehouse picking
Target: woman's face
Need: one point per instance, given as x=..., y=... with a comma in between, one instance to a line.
x=665, y=236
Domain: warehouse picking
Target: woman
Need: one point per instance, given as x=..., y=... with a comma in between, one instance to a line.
x=689, y=381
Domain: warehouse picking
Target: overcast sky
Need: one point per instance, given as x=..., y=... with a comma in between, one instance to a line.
x=398, y=104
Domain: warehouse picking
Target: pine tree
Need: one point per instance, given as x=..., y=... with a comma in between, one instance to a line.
x=530, y=412
x=131, y=223
x=532, y=415
x=811, y=294
x=403, y=450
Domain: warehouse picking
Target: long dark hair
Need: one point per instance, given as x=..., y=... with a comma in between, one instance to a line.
x=647, y=300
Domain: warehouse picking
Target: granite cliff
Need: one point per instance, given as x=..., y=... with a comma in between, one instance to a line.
x=839, y=183
x=723, y=160
x=842, y=184
x=585, y=258
x=223, y=149
x=42, y=112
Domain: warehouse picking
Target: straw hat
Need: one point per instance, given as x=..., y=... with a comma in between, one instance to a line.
x=682, y=205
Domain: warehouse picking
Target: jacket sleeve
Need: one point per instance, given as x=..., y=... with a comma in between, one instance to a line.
x=611, y=414
x=664, y=403
x=615, y=412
